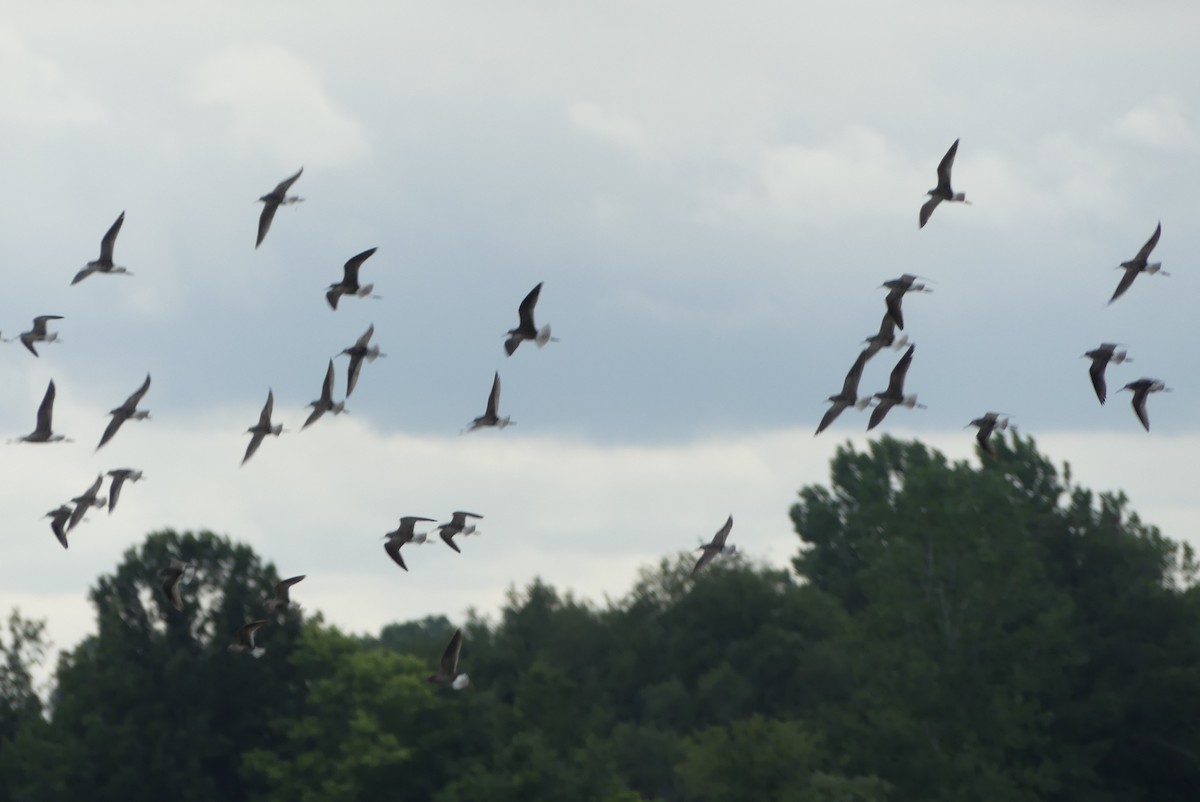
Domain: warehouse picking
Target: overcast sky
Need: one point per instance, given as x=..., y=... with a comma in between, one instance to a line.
x=711, y=193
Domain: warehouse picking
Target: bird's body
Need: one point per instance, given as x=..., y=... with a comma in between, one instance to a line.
x=943, y=191
x=38, y=333
x=990, y=422
x=85, y=501
x=105, y=263
x=281, y=601
x=447, y=675
x=1141, y=390
x=263, y=428
x=885, y=338
x=894, y=394
x=243, y=641
x=1139, y=264
x=359, y=352
x=172, y=576
x=272, y=201
x=526, y=329
x=490, y=416
x=404, y=534
x=715, y=546
x=44, y=433
x=1107, y=352
x=897, y=288
x=58, y=521
x=458, y=526
x=325, y=403
x=119, y=477
x=125, y=412
x=848, y=397
x=349, y=284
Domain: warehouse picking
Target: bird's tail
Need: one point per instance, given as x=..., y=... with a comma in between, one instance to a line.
x=258, y=651
x=460, y=682
x=544, y=337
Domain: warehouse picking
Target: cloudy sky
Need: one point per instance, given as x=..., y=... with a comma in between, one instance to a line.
x=712, y=194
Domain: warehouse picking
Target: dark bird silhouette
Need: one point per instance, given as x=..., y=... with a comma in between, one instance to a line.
x=349, y=284
x=990, y=422
x=243, y=641
x=105, y=263
x=715, y=547
x=894, y=394
x=526, y=330
x=885, y=338
x=1107, y=352
x=897, y=289
x=58, y=520
x=1141, y=389
x=119, y=477
x=1139, y=264
x=44, y=433
x=358, y=352
x=325, y=403
x=458, y=526
x=38, y=333
x=281, y=601
x=404, y=534
x=125, y=412
x=272, y=201
x=85, y=501
x=447, y=675
x=942, y=192
x=172, y=576
x=490, y=416
x=848, y=397
x=263, y=428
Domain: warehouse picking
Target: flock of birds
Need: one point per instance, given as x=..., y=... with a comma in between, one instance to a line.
x=893, y=319
x=68, y=515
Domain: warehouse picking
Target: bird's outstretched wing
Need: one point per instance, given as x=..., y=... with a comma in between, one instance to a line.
x=110, y=240
x=1144, y=253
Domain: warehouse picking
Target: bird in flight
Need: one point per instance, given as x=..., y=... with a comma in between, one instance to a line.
x=125, y=412
x=1107, y=352
x=119, y=477
x=526, y=330
x=848, y=397
x=357, y=353
x=281, y=601
x=44, y=433
x=105, y=263
x=404, y=534
x=458, y=526
x=172, y=575
x=990, y=422
x=243, y=641
x=447, y=675
x=263, y=428
x=325, y=403
x=1139, y=264
x=272, y=201
x=715, y=546
x=894, y=394
x=38, y=333
x=942, y=192
x=490, y=416
x=349, y=284
x=1141, y=390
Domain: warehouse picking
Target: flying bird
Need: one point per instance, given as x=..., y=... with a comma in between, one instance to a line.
x=125, y=412
x=886, y=338
x=447, y=675
x=404, y=534
x=357, y=353
x=243, y=641
x=44, y=433
x=1139, y=264
x=489, y=417
x=86, y=501
x=272, y=201
x=526, y=330
x=172, y=575
x=349, y=284
x=458, y=526
x=942, y=192
x=1107, y=352
x=1141, y=389
x=38, y=333
x=992, y=421
x=58, y=519
x=897, y=289
x=848, y=397
x=105, y=263
x=280, y=602
x=119, y=477
x=262, y=428
x=325, y=403
x=894, y=394
x=715, y=546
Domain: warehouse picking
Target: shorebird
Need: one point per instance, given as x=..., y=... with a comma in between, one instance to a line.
x=848, y=397
x=942, y=192
x=1142, y=388
x=105, y=263
x=119, y=477
x=526, y=330
x=58, y=518
x=897, y=289
x=262, y=428
x=125, y=412
x=458, y=526
x=280, y=602
x=38, y=333
x=357, y=353
x=447, y=675
x=489, y=416
x=989, y=423
x=243, y=641
x=894, y=394
x=1138, y=264
x=325, y=403
x=349, y=284
x=172, y=575
x=886, y=338
x=44, y=432
x=715, y=546
x=404, y=534
x=86, y=501
x=272, y=201
x=1107, y=352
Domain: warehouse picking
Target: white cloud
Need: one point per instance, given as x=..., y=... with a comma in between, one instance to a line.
x=1159, y=123
x=609, y=126
x=34, y=91
x=277, y=105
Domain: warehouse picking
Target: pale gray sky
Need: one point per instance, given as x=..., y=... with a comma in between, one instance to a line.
x=712, y=195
